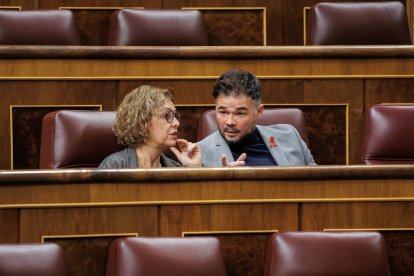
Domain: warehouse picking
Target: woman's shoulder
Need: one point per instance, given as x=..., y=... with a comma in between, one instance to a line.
x=119, y=159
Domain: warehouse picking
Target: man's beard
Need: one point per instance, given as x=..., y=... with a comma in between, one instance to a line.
x=240, y=140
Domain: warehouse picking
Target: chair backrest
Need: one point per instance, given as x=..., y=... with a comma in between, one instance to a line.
x=372, y=23
x=388, y=135
x=271, y=116
x=38, y=27
x=32, y=260
x=326, y=253
x=129, y=27
x=77, y=138
x=166, y=256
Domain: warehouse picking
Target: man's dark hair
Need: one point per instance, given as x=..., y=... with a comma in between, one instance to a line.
x=238, y=82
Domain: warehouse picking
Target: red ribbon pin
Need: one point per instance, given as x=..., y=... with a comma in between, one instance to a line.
x=272, y=141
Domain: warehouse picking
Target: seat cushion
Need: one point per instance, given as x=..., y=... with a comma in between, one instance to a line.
x=166, y=256
x=32, y=260
x=77, y=138
x=326, y=254
x=39, y=27
x=388, y=135
x=130, y=27
x=372, y=23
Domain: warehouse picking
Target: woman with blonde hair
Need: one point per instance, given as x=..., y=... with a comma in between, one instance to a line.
x=147, y=123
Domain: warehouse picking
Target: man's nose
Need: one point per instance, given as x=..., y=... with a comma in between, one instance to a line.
x=230, y=120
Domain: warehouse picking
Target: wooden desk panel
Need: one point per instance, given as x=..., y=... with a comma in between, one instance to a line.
x=241, y=206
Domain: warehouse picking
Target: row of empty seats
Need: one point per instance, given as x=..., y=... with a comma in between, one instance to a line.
x=127, y=27
x=288, y=253
x=80, y=138
x=372, y=23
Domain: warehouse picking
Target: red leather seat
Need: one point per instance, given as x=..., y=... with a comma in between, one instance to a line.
x=326, y=254
x=388, y=135
x=371, y=23
x=201, y=256
x=77, y=138
x=38, y=27
x=207, y=122
x=130, y=27
x=37, y=259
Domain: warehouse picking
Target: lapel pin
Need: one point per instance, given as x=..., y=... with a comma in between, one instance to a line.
x=272, y=141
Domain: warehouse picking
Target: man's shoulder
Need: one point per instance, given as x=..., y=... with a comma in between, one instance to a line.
x=276, y=128
x=208, y=140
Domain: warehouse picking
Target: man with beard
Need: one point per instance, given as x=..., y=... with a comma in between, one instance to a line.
x=239, y=141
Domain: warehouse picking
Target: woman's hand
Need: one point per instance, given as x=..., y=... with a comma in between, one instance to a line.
x=188, y=153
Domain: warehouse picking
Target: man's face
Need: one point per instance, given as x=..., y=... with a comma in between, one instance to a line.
x=236, y=116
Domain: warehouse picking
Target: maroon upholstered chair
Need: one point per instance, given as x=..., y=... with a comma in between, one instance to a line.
x=38, y=27
x=165, y=256
x=37, y=259
x=271, y=116
x=372, y=23
x=77, y=138
x=388, y=135
x=129, y=27
x=326, y=254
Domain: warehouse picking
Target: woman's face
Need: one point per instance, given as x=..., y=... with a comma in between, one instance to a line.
x=162, y=129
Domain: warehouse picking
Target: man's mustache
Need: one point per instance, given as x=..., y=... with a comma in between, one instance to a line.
x=230, y=129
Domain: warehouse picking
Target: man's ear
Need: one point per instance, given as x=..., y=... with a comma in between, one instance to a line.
x=260, y=110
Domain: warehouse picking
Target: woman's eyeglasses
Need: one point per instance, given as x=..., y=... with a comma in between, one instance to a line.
x=170, y=115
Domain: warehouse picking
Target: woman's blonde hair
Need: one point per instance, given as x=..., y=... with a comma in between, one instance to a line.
x=135, y=113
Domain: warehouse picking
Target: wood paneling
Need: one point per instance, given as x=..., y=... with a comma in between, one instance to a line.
x=86, y=255
x=340, y=91
x=35, y=223
x=274, y=15
x=175, y=220
x=29, y=194
x=244, y=252
x=221, y=31
x=186, y=91
x=55, y=4
x=9, y=230
x=321, y=216
x=400, y=248
x=93, y=25
x=388, y=91
x=24, y=4
x=168, y=185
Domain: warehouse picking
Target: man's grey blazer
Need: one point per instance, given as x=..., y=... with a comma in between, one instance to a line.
x=289, y=149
